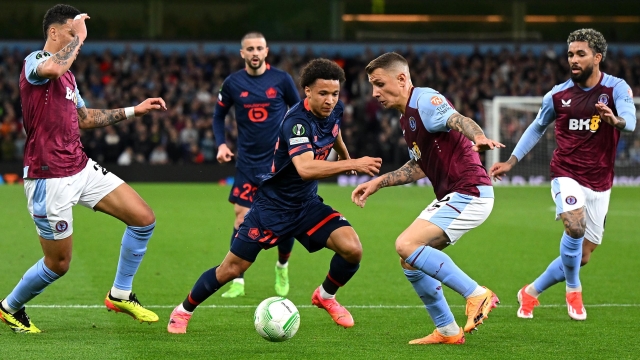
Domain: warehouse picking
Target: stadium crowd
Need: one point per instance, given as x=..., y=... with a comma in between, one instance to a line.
x=189, y=83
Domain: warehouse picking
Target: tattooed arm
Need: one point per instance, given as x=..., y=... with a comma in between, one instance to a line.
x=465, y=125
x=408, y=173
x=94, y=118
x=60, y=62
x=471, y=131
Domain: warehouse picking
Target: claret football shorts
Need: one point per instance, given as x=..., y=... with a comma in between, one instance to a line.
x=50, y=200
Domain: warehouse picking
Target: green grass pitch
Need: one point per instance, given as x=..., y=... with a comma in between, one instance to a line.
x=194, y=223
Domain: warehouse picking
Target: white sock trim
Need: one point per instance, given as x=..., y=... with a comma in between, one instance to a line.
x=449, y=330
x=281, y=266
x=578, y=289
x=182, y=309
x=120, y=294
x=5, y=305
x=238, y=281
x=479, y=290
x=325, y=295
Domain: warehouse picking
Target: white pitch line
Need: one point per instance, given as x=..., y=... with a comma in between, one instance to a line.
x=312, y=306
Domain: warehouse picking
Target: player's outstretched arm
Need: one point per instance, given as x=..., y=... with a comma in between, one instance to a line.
x=473, y=132
x=95, y=118
x=60, y=62
x=408, y=173
x=310, y=169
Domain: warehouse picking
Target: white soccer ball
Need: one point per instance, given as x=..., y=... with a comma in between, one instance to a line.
x=276, y=319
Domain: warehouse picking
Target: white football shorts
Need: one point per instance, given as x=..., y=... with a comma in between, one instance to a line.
x=569, y=195
x=50, y=200
x=458, y=213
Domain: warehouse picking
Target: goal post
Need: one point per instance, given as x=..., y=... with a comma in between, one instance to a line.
x=506, y=119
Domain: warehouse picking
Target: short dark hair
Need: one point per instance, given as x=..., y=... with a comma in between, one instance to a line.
x=594, y=38
x=320, y=69
x=58, y=14
x=385, y=61
x=252, y=35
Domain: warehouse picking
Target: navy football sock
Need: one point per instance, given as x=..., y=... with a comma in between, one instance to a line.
x=340, y=272
x=233, y=236
x=206, y=286
x=284, y=250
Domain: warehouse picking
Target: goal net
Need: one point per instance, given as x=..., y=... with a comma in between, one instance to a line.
x=506, y=119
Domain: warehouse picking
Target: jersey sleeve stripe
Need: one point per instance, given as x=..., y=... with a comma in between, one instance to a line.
x=298, y=148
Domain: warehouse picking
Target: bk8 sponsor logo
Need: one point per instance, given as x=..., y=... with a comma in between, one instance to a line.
x=592, y=124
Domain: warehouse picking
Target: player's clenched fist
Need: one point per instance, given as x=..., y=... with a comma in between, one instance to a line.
x=150, y=104
x=368, y=165
x=224, y=154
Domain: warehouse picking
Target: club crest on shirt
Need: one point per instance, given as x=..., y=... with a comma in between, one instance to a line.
x=604, y=98
x=335, y=130
x=412, y=123
x=571, y=200
x=271, y=93
x=61, y=226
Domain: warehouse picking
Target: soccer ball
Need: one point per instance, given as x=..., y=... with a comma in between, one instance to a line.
x=276, y=319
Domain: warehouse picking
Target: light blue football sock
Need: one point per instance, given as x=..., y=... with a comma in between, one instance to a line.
x=430, y=292
x=33, y=282
x=134, y=246
x=553, y=275
x=571, y=255
x=439, y=265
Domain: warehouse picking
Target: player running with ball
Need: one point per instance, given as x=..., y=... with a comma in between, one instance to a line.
x=287, y=202
x=464, y=195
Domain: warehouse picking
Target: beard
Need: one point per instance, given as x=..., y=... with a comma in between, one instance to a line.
x=582, y=76
x=249, y=64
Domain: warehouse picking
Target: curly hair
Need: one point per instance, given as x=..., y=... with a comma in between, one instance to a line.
x=321, y=69
x=594, y=38
x=59, y=14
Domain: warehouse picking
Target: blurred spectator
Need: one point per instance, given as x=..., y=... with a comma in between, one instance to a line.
x=158, y=156
x=126, y=158
x=208, y=146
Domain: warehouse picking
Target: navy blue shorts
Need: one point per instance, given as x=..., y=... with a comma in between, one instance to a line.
x=264, y=228
x=245, y=185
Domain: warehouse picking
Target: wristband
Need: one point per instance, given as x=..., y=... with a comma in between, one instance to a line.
x=129, y=112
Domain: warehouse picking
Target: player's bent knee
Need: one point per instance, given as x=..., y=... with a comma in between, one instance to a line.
x=60, y=267
x=147, y=218
x=576, y=231
x=404, y=248
x=353, y=251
